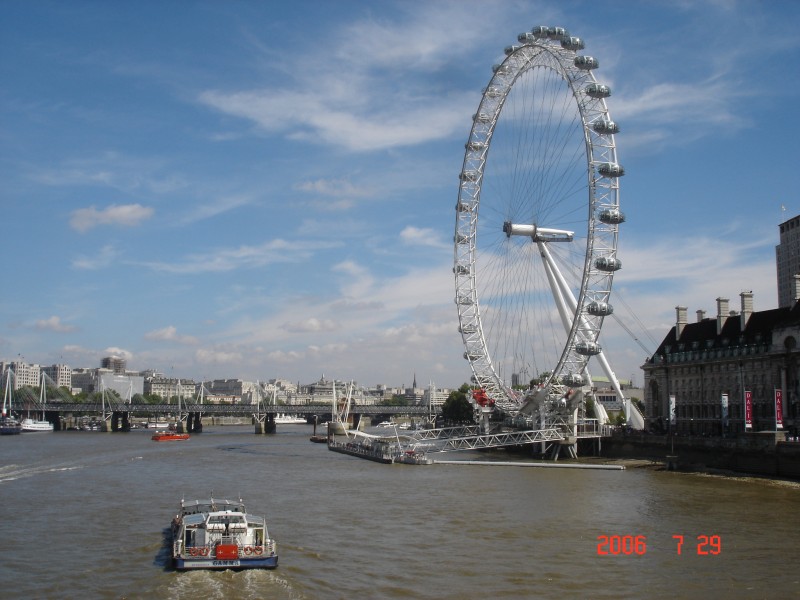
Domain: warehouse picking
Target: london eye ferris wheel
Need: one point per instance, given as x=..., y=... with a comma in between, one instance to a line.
x=536, y=229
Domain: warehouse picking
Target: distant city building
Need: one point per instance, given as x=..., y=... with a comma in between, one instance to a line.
x=414, y=395
x=126, y=386
x=787, y=259
x=232, y=390
x=116, y=364
x=84, y=380
x=168, y=387
x=61, y=375
x=23, y=374
x=435, y=398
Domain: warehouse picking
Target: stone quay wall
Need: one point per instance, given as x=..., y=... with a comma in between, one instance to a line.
x=760, y=453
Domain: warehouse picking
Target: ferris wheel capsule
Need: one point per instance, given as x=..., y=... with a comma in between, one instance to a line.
x=597, y=90
x=599, y=309
x=572, y=43
x=611, y=216
x=610, y=170
x=587, y=348
x=586, y=62
x=540, y=31
x=557, y=33
x=605, y=127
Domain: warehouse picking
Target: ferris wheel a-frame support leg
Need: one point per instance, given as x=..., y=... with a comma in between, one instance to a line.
x=567, y=304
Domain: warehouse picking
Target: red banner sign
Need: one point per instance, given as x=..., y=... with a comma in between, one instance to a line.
x=748, y=409
x=778, y=409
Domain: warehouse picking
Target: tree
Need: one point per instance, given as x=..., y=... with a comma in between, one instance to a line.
x=457, y=408
x=590, y=414
x=395, y=400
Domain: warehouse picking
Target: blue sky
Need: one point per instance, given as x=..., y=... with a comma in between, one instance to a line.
x=267, y=189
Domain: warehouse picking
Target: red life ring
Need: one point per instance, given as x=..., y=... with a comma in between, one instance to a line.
x=248, y=550
x=193, y=551
x=203, y=551
x=258, y=549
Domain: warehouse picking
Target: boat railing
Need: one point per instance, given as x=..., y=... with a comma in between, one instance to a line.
x=268, y=548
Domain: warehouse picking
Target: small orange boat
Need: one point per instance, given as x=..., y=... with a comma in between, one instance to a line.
x=169, y=436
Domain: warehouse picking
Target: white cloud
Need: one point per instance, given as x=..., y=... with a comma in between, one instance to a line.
x=416, y=236
x=209, y=356
x=126, y=215
x=114, y=351
x=246, y=256
x=333, y=187
x=304, y=117
x=112, y=169
x=216, y=207
x=318, y=101
x=170, y=334
x=54, y=324
x=311, y=324
x=103, y=258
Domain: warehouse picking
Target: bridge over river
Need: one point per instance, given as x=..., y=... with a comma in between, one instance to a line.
x=118, y=416
x=188, y=417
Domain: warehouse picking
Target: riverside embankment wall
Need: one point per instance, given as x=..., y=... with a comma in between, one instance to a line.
x=762, y=453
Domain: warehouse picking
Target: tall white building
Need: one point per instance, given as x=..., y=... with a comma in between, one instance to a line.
x=60, y=374
x=24, y=374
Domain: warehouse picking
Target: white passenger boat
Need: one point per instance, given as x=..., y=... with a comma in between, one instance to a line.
x=290, y=420
x=36, y=425
x=220, y=534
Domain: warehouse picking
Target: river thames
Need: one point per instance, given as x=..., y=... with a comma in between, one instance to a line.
x=84, y=515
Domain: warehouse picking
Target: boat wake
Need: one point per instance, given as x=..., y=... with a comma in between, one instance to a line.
x=233, y=584
x=13, y=472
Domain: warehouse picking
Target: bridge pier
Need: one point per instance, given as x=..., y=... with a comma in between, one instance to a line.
x=120, y=421
x=194, y=422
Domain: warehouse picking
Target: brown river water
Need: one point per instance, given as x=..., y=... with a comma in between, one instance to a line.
x=84, y=515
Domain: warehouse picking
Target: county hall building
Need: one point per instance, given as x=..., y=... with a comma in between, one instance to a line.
x=729, y=373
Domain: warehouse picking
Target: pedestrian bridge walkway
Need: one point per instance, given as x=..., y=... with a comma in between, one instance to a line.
x=471, y=437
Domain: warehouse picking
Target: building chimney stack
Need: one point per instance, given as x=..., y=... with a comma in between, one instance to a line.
x=722, y=313
x=680, y=320
x=747, y=307
x=701, y=314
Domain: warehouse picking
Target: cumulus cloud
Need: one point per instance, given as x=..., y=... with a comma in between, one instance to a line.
x=114, y=351
x=126, y=215
x=170, y=334
x=54, y=324
x=416, y=236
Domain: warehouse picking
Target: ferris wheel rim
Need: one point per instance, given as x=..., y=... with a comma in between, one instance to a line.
x=576, y=72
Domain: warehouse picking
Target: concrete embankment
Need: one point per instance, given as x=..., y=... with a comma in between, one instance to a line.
x=547, y=465
x=761, y=453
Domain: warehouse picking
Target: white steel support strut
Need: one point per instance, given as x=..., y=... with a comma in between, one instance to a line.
x=565, y=294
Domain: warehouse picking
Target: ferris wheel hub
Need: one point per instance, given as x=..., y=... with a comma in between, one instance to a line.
x=536, y=233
